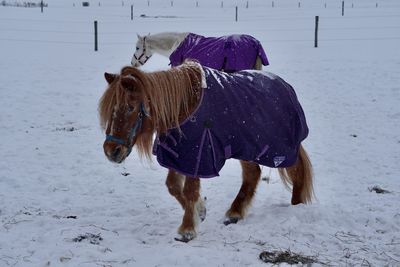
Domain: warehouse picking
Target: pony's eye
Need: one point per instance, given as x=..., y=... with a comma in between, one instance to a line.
x=137, y=48
x=130, y=108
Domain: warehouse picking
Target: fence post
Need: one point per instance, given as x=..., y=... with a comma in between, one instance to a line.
x=131, y=12
x=236, y=13
x=316, y=31
x=222, y=4
x=247, y=4
x=272, y=3
x=41, y=6
x=95, y=36
x=172, y=3
x=299, y=4
x=342, y=8
x=148, y=2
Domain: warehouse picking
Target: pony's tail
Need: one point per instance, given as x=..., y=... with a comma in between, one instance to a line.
x=300, y=176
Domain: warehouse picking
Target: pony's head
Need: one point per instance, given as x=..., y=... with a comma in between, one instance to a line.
x=131, y=96
x=142, y=53
x=125, y=115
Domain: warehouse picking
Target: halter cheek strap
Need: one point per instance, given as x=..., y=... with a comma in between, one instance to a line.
x=143, y=54
x=137, y=126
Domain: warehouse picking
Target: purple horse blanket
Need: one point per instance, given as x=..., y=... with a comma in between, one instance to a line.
x=230, y=53
x=249, y=115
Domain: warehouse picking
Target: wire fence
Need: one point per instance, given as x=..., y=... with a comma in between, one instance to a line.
x=243, y=4
x=310, y=40
x=394, y=33
x=124, y=33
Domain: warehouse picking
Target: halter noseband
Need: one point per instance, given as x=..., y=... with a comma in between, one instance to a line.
x=138, y=125
x=143, y=54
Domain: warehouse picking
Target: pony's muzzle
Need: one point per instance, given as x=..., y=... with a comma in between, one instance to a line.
x=115, y=153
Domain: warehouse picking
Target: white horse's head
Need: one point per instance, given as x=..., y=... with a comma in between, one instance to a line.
x=142, y=53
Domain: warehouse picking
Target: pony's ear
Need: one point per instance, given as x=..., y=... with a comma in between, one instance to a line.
x=139, y=37
x=109, y=77
x=129, y=82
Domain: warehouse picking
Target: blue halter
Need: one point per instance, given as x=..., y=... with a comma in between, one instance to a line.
x=138, y=125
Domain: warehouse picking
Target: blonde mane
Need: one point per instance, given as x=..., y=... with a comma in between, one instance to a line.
x=170, y=95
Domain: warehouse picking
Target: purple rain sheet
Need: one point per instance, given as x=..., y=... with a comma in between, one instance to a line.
x=250, y=115
x=230, y=53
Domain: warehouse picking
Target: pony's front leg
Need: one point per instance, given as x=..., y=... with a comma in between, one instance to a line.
x=174, y=183
x=191, y=192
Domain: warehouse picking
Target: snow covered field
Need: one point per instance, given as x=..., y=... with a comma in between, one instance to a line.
x=63, y=204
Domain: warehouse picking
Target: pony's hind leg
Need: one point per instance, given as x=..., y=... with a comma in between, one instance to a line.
x=191, y=193
x=258, y=64
x=300, y=176
x=251, y=173
x=174, y=184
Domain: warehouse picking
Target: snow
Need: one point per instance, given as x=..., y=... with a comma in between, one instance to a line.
x=218, y=76
x=270, y=75
x=57, y=187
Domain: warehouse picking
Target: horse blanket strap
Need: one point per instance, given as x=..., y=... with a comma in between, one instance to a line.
x=249, y=115
x=240, y=51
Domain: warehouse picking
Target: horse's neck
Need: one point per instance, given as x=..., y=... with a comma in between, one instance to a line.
x=173, y=108
x=165, y=43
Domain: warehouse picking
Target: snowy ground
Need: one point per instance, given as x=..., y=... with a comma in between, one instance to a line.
x=56, y=184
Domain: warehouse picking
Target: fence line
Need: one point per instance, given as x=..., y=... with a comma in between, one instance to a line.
x=253, y=18
x=265, y=29
x=247, y=5
x=245, y=19
x=45, y=41
x=270, y=41
x=43, y=31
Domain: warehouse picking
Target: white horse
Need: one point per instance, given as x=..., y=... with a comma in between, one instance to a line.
x=229, y=53
x=161, y=43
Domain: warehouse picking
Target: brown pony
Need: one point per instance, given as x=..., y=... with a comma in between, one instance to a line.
x=137, y=104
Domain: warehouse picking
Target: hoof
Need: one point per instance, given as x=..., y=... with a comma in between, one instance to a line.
x=230, y=220
x=186, y=237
